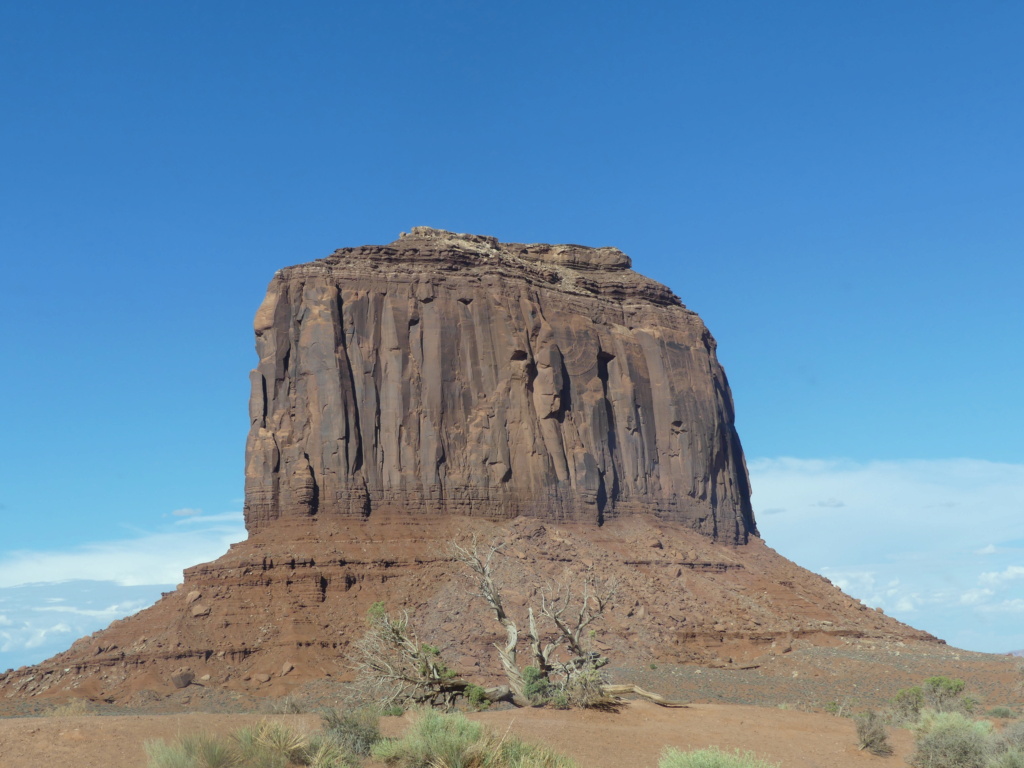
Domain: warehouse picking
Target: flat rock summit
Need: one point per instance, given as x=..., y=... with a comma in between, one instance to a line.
x=449, y=386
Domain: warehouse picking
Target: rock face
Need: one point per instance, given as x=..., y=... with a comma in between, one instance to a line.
x=453, y=374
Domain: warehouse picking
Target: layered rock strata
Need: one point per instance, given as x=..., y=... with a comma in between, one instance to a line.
x=453, y=374
x=283, y=608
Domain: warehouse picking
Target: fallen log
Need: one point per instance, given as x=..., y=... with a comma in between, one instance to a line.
x=636, y=690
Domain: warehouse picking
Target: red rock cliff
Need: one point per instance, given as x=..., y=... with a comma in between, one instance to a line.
x=453, y=374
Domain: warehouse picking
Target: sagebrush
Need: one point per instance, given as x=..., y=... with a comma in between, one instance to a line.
x=264, y=745
x=439, y=740
x=712, y=757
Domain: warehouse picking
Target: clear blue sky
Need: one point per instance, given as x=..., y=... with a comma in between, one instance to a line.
x=837, y=188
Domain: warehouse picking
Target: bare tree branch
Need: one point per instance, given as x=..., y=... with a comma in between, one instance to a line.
x=480, y=564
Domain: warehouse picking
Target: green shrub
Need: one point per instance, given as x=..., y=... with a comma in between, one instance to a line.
x=905, y=707
x=251, y=752
x=872, y=734
x=1013, y=735
x=510, y=752
x=323, y=750
x=164, y=755
x=265, y=745
x=943, y=694
x=477, y=697
x=453, y=741
x=1011, y=758
x=279, y=739
x=1003, y=713
x=712, y=757
x=356, y=730
x=269, y=745
x=951, y=740
x=932, y=720
x=538, y=688
x=197, y=750
x=433, y=738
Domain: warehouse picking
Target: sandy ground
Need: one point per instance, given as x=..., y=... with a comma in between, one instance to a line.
x=631, y=738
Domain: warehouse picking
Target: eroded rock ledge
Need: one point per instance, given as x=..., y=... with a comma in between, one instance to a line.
x=454, y=374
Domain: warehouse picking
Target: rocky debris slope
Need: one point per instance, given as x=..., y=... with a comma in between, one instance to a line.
x=285, y=606
x=453, y=374
x=449, y=386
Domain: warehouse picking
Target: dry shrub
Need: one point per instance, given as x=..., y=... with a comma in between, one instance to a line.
x=72, y=708
x=1013, y=733
x=1011, y=758
x=872, y=734
x=357, y=730
x=289, y=705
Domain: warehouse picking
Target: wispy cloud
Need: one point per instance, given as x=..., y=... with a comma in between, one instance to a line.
x=151, y=558
x=1015, y=605
x=200, y=519
x=186, y=512
x=39, y=620
x=935, y=543
x=48, y=598
x=1009, y=573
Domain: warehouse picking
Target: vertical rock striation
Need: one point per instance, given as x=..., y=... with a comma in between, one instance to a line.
x=453, y=374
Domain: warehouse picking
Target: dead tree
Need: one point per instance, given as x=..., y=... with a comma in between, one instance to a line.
x=568, y=619
x=480, y=565
x=556, y=602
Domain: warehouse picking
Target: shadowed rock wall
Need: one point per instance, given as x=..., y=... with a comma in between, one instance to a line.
x=453, y=374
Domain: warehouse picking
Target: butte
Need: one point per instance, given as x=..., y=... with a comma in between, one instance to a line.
x=447, y=386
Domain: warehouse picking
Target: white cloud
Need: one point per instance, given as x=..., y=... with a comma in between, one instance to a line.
x=1006, y=606
x=186, y=512
x=51, y=597
x=906, y=536
x=998, y=577
x=152, y=558
x=972, y=596
x=27, y=637
x=39, y=635
x=200, y=519
x=109, y=613
x=35, y=627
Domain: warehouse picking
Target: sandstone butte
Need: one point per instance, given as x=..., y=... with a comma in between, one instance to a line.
x=447, y=386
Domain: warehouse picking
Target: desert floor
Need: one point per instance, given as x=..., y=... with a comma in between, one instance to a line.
x=630, y=738
x=777, y=711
